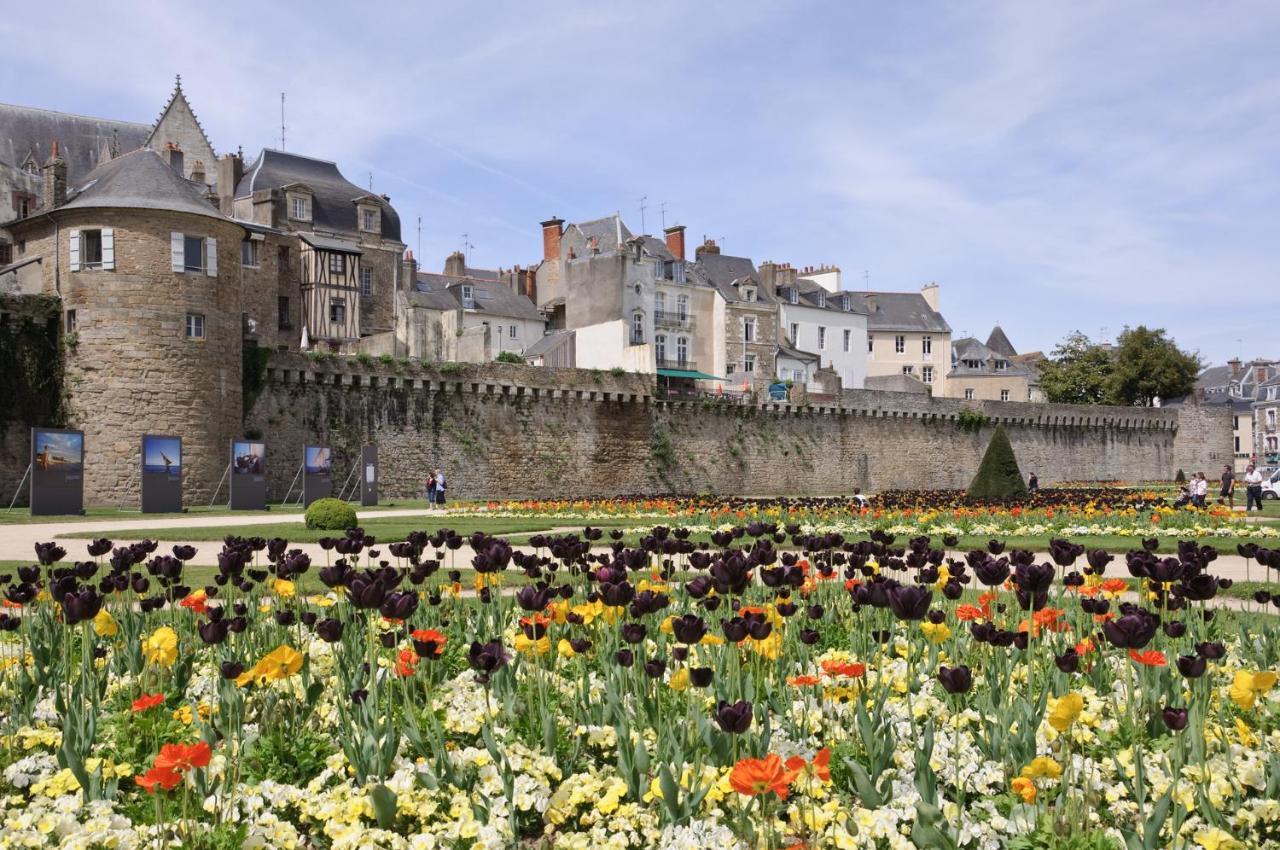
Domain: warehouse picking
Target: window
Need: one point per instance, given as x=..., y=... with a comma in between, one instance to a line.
x=908, y=369
x=1004, y=395
x=195, y=326
x=682, y=349
x=248, y=253
x=299, y=208
x=6, y=253
x=91, y=249
x=682, y=307
x=468, y=296
x=190, y=254
x=795, y=333
x=337, y=311
x=871, y=342
x=660, y=347
x=748, y=330
x=926, y=344
x=848, y=337
x=1237, y=445
x=729, y=367
x=282, y=312
x=748, y=293
x=369, y=220
x=1235, y=423
x=749, y=363
x=637, y=329
x=926, y=374
x=26, y=205
x=1002, y=365
x=793, y=295
x=337, y=263
x=968, y=393
x=822, y=338
x=660, y=302
x=512, y=333
x=899, y=344
x=71, y=321
x=678, y=271
x=366, y=282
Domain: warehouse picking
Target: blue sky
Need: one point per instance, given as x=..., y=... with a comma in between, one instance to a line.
x=1053, y=166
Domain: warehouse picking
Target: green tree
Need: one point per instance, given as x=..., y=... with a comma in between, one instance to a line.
x=1078, y=372
x=1148, y=365
x=998, y=477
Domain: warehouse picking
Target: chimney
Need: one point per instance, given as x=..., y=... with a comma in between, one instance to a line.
x=409, y=270
x=708, y=246
x=456, y=265
x=175, y=158
x=230, y=171
x=197, y=172
x=785, y=275
x=1236, y=366
x=1261, y=373
x=675, y=240
x=552, y=230
x=768, y=275
x=54, y=178
x=930, y=293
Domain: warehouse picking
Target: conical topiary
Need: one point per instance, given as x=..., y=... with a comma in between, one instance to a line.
x=998, y=475
x=1180, y=478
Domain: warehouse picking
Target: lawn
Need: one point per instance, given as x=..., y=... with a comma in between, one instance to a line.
x=22, y=516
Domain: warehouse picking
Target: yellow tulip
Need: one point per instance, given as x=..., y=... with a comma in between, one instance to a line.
x=161, y=647
x=1064, y=710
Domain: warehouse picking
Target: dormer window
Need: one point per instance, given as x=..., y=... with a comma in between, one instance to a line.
x=468, y=297
x=677, y=271
x=748, y=293
x=822, y=299
x=299, y=206
x=1002, y=365
x=370, y=219
x=793, y=295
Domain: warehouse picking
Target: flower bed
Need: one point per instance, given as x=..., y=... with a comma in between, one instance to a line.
x=795, y=687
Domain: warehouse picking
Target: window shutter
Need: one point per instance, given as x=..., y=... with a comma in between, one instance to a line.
x=177, y=254
x=211, y=257
x=108, y=249
x=75, y=250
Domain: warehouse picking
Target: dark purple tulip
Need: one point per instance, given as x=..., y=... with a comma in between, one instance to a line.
x=1213, y=651
x=992, y=571
x=531, y=598
x=580, y=645
x=1068, y=662
x=654, y=668
x=78, y=607
x=1175, y=718
x=1133, y=630
x=734, y=718
x=359, y=695
x=231, y=669
x=634, y=632
x=700, y=677
x=1191, y=666
x=214, y=631
x=99, y=547
x=1175, y=628
x=689, y=629
x=809, y=637
x=956, y=680
x=329, y=630
x=49, y=553
x=487, y=658
x=735, y=629
x=909, y=602
x=625, y=657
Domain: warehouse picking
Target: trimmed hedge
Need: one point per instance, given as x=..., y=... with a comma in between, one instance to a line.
x=998, y=475
x=331, y=515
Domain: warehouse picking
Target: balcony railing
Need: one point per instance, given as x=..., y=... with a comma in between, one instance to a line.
x=684, y=365
x=669, y=319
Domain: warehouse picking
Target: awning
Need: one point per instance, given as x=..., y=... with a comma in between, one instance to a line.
x=325, y=243
x=688, y=373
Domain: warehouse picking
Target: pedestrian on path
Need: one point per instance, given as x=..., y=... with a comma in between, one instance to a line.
x=440, y=487
x=431, y=488
x=1228, y=491
x=1252, y=488
x=1200, y=490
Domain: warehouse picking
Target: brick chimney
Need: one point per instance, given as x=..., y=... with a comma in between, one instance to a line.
x=174, y=154
x=552, y=230
x=708, y=246
x=768, y=276
x=54, y=178
x=785, y=275
x=930, y=293
x=409, y=270
x=1261, y=373
x=197, y=172
x=675, y=240
x=456, y=264
x=230, y=172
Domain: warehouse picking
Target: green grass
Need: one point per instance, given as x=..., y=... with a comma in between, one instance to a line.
x=21, y=516
x=386, y=530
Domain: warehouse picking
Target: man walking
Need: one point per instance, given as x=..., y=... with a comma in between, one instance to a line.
x=1252, y=488
x=1228, y=491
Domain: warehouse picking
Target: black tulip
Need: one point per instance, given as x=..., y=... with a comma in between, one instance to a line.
x=734, y=718
x=956, y=680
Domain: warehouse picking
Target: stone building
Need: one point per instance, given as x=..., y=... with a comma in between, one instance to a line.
x=907, y=335
x=829, y=324
x=744, y=321
x=991, y=371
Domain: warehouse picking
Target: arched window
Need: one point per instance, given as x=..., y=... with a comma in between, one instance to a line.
x=637, y=328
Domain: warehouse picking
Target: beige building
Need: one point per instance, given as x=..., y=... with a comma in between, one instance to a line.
x=907, y=335
x=990, y=371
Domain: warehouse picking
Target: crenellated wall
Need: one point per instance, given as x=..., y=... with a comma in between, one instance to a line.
x=504, y=431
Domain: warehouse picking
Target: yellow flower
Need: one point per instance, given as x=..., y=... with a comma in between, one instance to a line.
x=1247, y=687
x=283, y=588
x=1064, y=710
x=527, y=645
x=680, y=679
x=183, y=714
x=1217, y=839
x=1042, y=767
x=105, y=625
x=565, y=649
x=161, y=647
x=280, y=663
x=935, y=632
x=1024, y=788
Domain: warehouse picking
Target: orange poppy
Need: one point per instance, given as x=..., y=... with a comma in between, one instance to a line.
x=752, y=777
x=967, y=613
x=146, y=701
x=1115, y=586
x=406, y=662
x=820, y=766
x=802, y=681
x=433, y=637
x=180, y=758
x=158, y=777
x=195, y=602
x=843, y=668
x=1149, y=658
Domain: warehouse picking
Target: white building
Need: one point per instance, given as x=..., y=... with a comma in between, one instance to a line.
x=832, y=326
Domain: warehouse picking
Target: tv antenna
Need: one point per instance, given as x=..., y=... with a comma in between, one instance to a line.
x=419, y=238
x=370, y=181
x=642, y=209
x=663, y=208
x=281, y=120
x=466, y=247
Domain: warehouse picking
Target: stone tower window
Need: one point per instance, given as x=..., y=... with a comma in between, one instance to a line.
x=92, y=249
x=366, y=282
x=195, y=326
x=193, y=254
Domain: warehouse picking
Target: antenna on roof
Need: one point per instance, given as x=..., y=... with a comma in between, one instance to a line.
x=281, y=120
x=419, y=236
x=642, y=209
x=466, y=246
x=663, y=208
x=866, y=277
x=370, y=181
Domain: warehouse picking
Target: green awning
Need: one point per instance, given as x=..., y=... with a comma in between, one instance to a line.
x=688, y=373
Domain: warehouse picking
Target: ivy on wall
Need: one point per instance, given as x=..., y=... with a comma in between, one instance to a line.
x=31, y=362
x=253, y=374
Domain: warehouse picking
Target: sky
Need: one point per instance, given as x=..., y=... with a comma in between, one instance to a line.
x=1053, y=166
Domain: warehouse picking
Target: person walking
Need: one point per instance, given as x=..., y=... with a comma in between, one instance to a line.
x=1200, y=491
x=1033, y=483
x=1252, y=488
x=440, y=488
x=1228, y=491
x=431, y=488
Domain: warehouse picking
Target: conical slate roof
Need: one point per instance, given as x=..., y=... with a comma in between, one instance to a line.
x=140, y=180
x=999, y=343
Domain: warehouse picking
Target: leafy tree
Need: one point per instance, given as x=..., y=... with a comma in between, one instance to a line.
x=998, y=475
x=1078, y=372
x=1148, y=365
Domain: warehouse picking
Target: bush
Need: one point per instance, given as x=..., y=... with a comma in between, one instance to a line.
x=331, y=515
x=509, y=357
x=998, y=475
x=1180, y=478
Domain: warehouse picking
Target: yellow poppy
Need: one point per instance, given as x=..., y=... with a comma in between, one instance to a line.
x=161, y=647
x=105, y=625
x=1064, y=710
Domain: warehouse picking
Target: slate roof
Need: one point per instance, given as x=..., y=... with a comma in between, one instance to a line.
x=333, y=196
x=723, y=271
x=549, y=343
x=326, y=243
x=443, y=292
x=1214, y=376
x=797, y=354
x=969, y=348
x=605, y=230
x=139, y=180
x=999, y=343
x=901, y=311
x=25, y=130
x=656, y=247
x=810, y=293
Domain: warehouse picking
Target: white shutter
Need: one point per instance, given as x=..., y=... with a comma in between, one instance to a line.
x=108, y=249
x=177, y=252
x=211, y=256
x=75, y=250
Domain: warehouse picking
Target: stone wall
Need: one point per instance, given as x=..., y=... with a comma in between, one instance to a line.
x=510, y=431
x=1206, y=439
